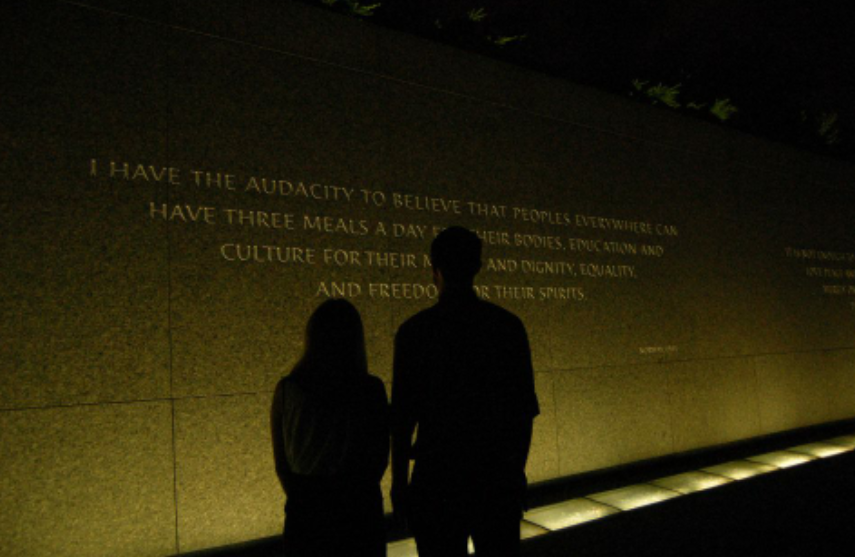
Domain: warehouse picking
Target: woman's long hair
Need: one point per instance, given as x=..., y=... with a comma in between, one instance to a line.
x=334, y=344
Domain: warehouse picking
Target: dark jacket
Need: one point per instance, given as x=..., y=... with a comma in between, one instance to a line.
x=463, y=375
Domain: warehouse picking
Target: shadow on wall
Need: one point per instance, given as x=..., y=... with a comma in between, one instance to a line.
x=266, y=547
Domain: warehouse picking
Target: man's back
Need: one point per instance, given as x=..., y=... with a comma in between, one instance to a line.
x=463, y=374
x=463, y=379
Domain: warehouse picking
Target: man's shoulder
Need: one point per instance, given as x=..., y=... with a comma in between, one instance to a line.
x=418, y=321
x=493, y=317
x=479, y=310
x=498, y=312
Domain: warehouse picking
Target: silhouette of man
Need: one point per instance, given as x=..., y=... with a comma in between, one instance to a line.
x=463, y=377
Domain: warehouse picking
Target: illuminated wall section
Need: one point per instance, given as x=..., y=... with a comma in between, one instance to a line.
x=185, y=181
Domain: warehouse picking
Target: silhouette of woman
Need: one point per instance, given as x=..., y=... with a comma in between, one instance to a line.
x=331, y=441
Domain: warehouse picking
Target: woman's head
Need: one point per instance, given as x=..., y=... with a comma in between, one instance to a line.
x=335, y=340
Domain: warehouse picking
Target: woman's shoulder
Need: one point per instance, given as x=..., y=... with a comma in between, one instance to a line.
x=291, y=388
x=285, y=382
x=373, y=382
x=379, y=389
x=356, y=386
x=370, y=387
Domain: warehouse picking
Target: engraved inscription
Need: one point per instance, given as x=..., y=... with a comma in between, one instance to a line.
x=533, y=255
x=833, y=271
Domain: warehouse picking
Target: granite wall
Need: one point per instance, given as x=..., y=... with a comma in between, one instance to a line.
x=184, y=181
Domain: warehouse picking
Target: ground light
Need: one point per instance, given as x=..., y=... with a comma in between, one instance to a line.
x=568, y=514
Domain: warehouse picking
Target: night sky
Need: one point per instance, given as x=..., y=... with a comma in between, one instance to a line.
x=783, y=64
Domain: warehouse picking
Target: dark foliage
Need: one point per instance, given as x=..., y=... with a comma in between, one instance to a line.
x=783, y=64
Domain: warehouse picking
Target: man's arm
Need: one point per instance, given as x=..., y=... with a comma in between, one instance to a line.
x=401, y=448
x=525, y=440
x=378, y=442
x=403, y=425
x=527, y=390
x=281, y=463
x=530, y=407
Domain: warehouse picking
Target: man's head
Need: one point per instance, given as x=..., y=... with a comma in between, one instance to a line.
x=456, y=254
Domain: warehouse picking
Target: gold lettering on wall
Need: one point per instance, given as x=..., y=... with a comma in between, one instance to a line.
x=835, y=270
x=559, y=260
